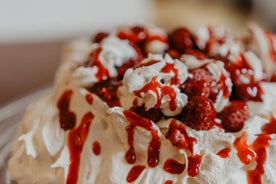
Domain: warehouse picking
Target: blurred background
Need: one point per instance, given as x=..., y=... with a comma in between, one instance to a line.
x=33, y=32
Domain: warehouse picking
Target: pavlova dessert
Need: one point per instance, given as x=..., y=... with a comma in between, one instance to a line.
x=139, y=105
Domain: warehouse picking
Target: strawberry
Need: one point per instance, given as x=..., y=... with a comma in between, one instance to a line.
x=234, y=115
x=181, y=39
x=199, y=84
x=199, y=113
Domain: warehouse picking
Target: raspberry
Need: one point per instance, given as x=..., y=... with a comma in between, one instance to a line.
x=153, y=114
x=252, y=91
x=196, y=53
x=99, y=37
x=234, y=115
x=181, y=39
x=199, y=84
x=199, y=113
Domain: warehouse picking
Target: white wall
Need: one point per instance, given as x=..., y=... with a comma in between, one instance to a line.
x=39, y=20
x=32, y=33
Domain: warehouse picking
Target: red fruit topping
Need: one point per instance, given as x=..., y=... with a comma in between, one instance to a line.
x=234, y=115
x=107, y=91
x=245, y=86
x=252, y=91
x=199, y=113
x=199, y=84
x=99, y=37
x=153, y=114
x=181, y=39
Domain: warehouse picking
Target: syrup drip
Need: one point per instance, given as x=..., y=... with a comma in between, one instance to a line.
x=160, y=91
x=173, y=167
x=76, y=140
x=102, y=73
x=168, y=182
x=256, y=151
x=67, y=118
x=245, y=151
x=130, y=154
x=270, y=128
x=170, y=67
x=96, y=148
x=154, y=145
x=224, y=87
x=224, y=153
x=135, y=172
x=187, y=142
x=194, y=162
x=259, y=146
x=89, y=98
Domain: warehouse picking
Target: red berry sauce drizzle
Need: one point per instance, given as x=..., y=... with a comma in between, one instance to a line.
x=89, y=98
x=67, y=118
x=253, y=152
x=174, y=167
x=76, y=140
x=194, y=162
x=130, y=154
x=168, y=182
x=135, y=172
x=155, y=86
x=224, y=153
x=154, y=145
x=94, y=60
x=96, y=148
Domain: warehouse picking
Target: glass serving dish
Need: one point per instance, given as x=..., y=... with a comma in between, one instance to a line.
x=10, y=116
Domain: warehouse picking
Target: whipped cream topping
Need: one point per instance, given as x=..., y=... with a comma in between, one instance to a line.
x=154, y=84
x=217, y=40
x=263, y=44
x=73, y=135
x=111, y=53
